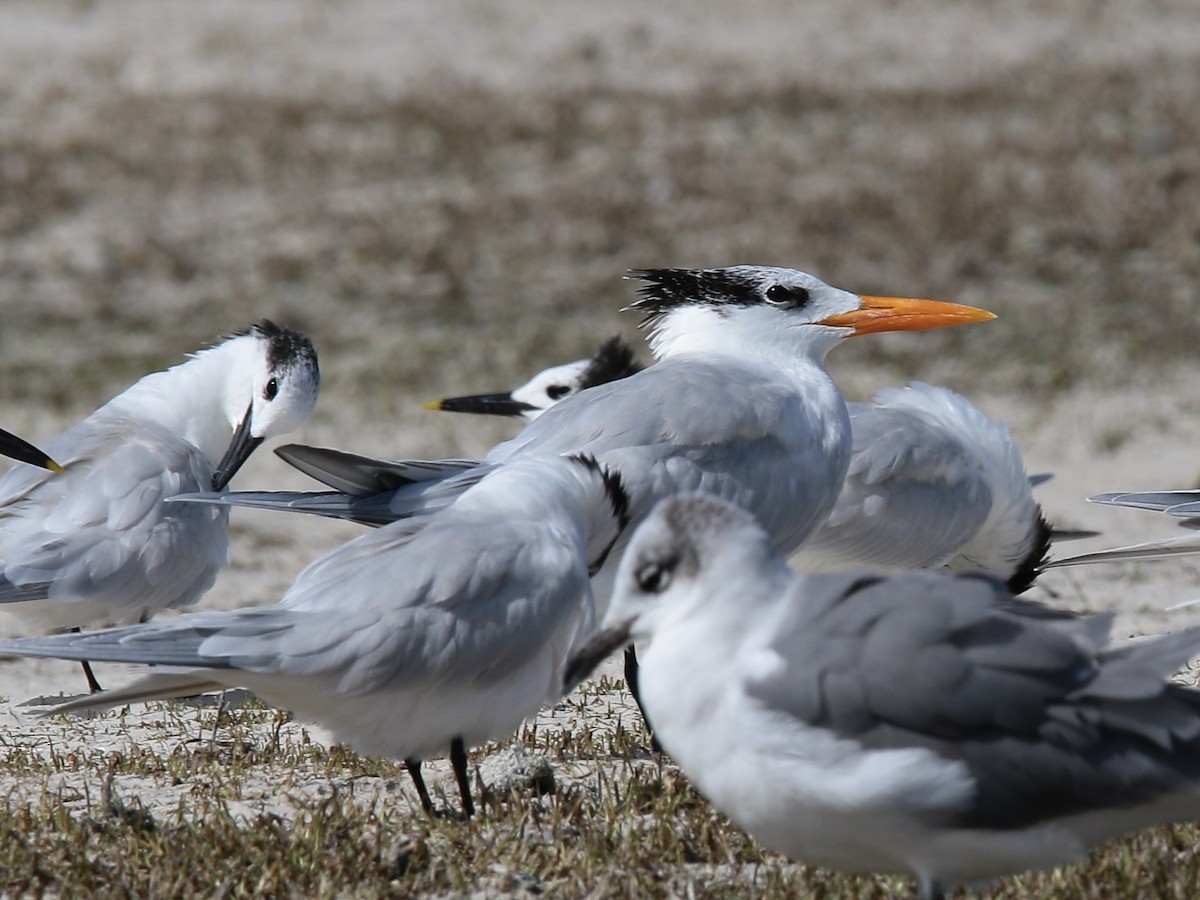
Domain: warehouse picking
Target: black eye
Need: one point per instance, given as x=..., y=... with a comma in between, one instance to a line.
x=271, y=389
x=779, y=295
x=557, y=391
x=653, y=578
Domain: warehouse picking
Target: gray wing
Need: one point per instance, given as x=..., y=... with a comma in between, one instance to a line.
x=912, y=498
x=100, y=541
x=450, y=603
x=364, y=476
x=1164, y=501
x=690, y=404
x=1048, y=721
x=1183, y=545
x=727, y=431
x=415, y=499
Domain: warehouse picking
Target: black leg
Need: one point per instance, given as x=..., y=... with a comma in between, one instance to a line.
x=458, y=759
x=93, y=684
x=930, y=890
x=631, y=682
x=414, y=770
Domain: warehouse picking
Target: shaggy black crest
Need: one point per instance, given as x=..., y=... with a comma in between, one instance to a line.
x=285, y=346
x=612, y=362
x=666, y=289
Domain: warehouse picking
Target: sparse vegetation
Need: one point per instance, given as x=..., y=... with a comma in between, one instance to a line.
x=457, y=235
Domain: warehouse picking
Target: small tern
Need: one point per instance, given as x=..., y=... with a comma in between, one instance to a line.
x=924, y=723
x=613, y=361
x=99, y=543
x=21, y=450
x=436, y=632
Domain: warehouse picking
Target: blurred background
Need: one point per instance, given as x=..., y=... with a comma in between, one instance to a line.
x=445, y=196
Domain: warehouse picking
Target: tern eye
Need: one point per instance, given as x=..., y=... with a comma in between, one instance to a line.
x=653, y=578
x=778, y=295
x=271, y=390
x=557, y=391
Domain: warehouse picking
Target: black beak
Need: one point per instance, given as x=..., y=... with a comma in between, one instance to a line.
x=483, y=404
x=239, y=451
x=593, y=651
x=23, y=451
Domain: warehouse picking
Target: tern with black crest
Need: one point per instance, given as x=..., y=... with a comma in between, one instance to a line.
x=100, y=542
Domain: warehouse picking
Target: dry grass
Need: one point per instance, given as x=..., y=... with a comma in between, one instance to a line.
x=620, y=823
x=454, y=235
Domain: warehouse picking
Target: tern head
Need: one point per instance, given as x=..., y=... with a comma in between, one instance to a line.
x=689, y=548
x=613, y=361
x=271, y=390
x=755, y=308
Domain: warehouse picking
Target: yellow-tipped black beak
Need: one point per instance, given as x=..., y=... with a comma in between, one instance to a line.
x=483, y=404
x=23, y=451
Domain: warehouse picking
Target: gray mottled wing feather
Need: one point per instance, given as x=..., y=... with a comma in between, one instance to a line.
x=912, y=495
x=1049, y=722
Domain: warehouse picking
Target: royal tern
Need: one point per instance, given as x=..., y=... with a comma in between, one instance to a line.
x=932, y=481
x=99, y=543
x=21, y=450
x=435, y=632
x=921, y=723
x=612, y=361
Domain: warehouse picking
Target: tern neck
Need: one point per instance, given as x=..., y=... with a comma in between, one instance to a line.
x=193, y=399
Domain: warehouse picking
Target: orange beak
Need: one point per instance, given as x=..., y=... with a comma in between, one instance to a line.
x=905, y=314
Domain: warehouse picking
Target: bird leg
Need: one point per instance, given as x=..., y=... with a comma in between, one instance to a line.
x=414, y=770
x=93, y=684
x=458, y=759
x=631, y=682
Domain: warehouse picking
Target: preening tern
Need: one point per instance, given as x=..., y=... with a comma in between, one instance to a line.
x=921, y=723
x=99, y=543
x=435, y=632
x=21, y=450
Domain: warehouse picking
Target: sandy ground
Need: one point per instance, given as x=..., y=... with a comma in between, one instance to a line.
x=120, y=251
